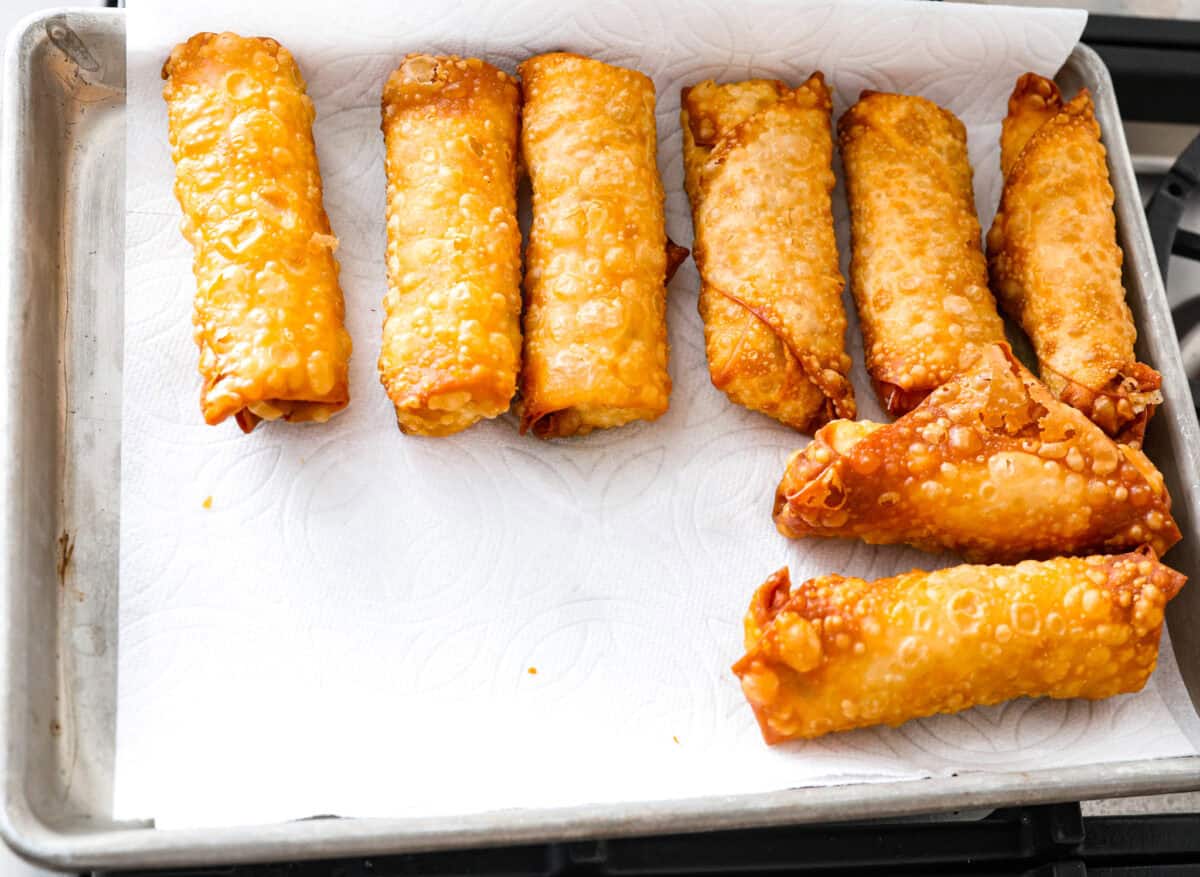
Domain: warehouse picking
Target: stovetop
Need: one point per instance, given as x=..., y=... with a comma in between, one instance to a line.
x=1156, y=70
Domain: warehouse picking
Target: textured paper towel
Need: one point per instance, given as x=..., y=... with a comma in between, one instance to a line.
x=349, y=629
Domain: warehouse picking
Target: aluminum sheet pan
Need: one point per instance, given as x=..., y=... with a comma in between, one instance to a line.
x=62, y=180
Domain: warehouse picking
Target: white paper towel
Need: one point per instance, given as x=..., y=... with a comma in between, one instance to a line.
x=352, y=627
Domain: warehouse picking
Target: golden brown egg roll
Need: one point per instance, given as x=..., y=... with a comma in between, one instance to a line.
x=758, y=160
x=268, y=307
x=596, y=265
x=1055, y=263
x=452, y=336
x=837, y=653
x=917, y=268
x=990, y=465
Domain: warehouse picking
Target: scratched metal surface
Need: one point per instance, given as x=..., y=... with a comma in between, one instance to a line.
x=65, y=154
x=62, y=232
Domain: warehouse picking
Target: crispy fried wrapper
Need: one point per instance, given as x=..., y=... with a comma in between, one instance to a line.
x=268, y=307
x=1055, y=263
x=452, y=335
x=990, y=466
x=758, y=161
x=597, y=261
x=917, y=268
x=836, y=653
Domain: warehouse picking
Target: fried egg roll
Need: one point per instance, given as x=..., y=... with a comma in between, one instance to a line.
x=452, y=335
x=268, y=307
x=837, y=653
x=917, y=268
x=1055, y=263
x=990, y=466
x=758, y=161
x=596, y=265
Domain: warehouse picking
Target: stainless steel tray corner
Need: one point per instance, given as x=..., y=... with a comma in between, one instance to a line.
x=62, y=232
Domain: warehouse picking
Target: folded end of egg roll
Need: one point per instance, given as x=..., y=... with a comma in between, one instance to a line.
x=1122, y=406
x=581, y=419
x=1034, y=101
x=281, y=409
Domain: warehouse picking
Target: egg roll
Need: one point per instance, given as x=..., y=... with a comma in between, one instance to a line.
x=268, y=308
x=837, y=653
x=990, y=466
x=597, y=262
x=917, y=269
x=452, y=335
x=1055, y=264
x=758, y=166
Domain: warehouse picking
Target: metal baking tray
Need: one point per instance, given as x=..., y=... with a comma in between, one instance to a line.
x=62, y=167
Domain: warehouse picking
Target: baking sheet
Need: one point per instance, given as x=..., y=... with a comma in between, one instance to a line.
x=350, y=627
